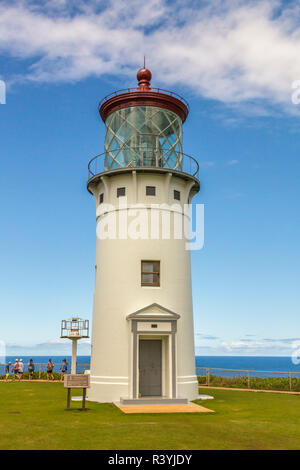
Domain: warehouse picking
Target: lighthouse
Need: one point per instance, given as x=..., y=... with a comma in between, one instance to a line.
x=142, y=332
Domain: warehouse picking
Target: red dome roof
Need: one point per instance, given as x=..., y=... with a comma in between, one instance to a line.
x=143, y=95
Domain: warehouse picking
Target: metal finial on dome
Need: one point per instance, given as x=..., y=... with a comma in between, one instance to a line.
x=144, y=76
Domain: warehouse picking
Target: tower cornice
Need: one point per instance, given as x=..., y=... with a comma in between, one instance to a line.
x=94, y=180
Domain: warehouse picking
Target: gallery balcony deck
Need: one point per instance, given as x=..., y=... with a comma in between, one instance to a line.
x=143, y=160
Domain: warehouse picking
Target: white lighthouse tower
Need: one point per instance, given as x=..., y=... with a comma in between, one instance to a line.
x=142, y=334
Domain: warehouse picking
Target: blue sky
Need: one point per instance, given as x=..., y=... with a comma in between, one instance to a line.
x=235, y=62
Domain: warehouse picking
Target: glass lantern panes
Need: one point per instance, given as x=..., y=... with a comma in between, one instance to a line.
x=143, y=136
x=75, y=327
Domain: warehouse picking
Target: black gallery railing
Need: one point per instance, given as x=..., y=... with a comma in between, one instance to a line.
x=139, y=157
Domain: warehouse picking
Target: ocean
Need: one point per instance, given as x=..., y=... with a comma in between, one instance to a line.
x=275, y=365
x=257, y=366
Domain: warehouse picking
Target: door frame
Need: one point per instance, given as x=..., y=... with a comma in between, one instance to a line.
x=170, y=337
x=155, y=320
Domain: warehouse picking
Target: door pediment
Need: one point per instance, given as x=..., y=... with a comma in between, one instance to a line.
x=153, y=312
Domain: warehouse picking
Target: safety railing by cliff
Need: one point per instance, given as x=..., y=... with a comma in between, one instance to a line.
x=249, y=379
x=139, y=157
x=40, y=369
x=131, y=90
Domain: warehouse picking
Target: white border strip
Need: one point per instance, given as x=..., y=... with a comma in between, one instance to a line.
x=109, y=383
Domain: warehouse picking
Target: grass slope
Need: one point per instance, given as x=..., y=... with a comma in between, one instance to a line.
x=243, y=420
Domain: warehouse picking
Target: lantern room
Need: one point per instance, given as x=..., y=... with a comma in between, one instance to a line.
x=143, y=126
x=75, y=327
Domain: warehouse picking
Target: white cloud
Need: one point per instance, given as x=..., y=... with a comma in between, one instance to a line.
x=231, y=51
x=55, y=346
x=243, y=345
x=206, y=164
x=251, y=345
x=263, y=346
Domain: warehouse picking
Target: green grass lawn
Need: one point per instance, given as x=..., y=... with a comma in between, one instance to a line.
x=33, y=416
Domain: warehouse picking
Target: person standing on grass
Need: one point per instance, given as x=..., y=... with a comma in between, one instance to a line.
x=21, y=369
x=64, y=369
x=16, y=369
x=30, y=369
x=50, y=367
x=7, y=371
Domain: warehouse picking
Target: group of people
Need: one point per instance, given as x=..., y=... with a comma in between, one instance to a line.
x=18, y=369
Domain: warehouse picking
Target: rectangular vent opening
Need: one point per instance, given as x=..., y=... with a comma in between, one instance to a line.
x=176, y=195
x=150, y=190
x=121, y=192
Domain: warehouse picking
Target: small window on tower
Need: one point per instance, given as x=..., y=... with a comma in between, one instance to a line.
x=150, y=190
x=176, y=195
x=101, y=198
x=121, y=192
x=151, y=273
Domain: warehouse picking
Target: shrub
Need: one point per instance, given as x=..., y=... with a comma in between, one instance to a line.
x=257, y=383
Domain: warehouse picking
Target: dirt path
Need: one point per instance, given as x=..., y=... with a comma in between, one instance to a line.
x=30, y=381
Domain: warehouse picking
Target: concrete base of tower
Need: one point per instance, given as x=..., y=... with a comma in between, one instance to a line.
x=187, y=387
x=106, y=391
x=102, y=392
